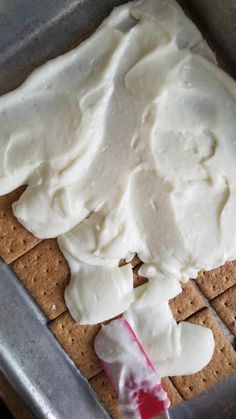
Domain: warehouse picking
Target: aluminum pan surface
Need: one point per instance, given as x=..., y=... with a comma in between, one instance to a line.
x=35, y=363
x=31, y=32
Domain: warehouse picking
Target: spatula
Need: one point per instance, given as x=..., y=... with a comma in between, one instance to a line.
x=137, y=384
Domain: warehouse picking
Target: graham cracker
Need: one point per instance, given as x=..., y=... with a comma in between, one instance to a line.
x=134, y=262
x=45, y=273
x=77, y=340
x=106, y=394
x=214, y=282
x=225, y=306
x=15, y=240
x=173, y=393
x=222, y=364
x=187, y=303
x=138, y=280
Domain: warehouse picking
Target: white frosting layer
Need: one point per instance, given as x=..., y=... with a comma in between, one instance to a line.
x=127, y=144
x=174, y=349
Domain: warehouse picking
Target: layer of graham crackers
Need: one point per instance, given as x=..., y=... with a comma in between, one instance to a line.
x=222, y=364
x=44, y=272
x=225, y=306
x=15, y=240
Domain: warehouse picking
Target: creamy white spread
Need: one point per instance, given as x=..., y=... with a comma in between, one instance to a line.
x=127, y=144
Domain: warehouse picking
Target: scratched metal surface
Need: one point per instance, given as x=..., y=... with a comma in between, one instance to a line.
x=31, y=32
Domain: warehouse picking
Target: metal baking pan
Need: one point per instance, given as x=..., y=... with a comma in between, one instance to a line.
x=31, y=32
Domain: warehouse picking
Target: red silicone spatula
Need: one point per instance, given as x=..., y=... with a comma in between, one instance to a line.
x=137, y=383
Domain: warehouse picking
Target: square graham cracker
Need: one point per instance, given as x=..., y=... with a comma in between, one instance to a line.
x=225, y=306
x=107, y=395
x=15, y=240
x=44, y=273
x=214, y=282
x=187, y=303
x=77, y=340
x=222, y=364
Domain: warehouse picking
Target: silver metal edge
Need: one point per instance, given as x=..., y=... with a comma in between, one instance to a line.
x=35, y=363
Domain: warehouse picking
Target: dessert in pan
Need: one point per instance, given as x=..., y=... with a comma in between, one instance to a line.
x=123, y=150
